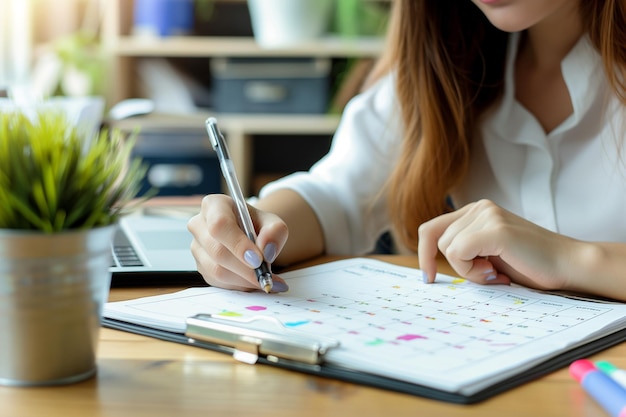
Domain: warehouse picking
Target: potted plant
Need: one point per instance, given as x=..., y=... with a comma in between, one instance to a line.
x=284, y=23
x=61, y=195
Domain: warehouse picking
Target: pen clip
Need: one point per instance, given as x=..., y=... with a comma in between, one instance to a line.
x=217, y=139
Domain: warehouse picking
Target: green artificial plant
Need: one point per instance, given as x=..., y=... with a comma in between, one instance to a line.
x=53, y=178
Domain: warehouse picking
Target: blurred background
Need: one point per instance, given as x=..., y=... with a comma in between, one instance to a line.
x=276, y=73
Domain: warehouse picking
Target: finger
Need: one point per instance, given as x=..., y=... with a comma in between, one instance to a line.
x=482, y=271
x=458, y=223
x=429, y=234
x=279, y=284
x=500, y=279
x=427, y=251
x=272, y=236
x=228, y=245
x=471, y=218
x=496, y=279
x=219, y=275
x=209, y=249
x=470, y=238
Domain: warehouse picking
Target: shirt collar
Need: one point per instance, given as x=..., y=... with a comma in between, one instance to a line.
x=584, y=76
x=580, y=69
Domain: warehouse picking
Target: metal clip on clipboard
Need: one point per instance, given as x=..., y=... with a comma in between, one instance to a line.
x=258, y=336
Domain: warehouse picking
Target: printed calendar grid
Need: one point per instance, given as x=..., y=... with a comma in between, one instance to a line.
x=441, y=326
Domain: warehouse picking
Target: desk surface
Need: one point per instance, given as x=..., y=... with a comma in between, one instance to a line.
x=140, y=376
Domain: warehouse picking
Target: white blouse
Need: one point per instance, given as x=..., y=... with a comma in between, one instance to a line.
x=571, y=180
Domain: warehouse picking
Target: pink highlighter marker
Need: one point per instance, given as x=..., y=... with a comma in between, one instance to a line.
x=604, y=390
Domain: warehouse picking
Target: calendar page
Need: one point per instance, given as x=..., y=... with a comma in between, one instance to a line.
x=452, y=335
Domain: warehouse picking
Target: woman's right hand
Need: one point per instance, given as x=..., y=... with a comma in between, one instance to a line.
x=224, y=255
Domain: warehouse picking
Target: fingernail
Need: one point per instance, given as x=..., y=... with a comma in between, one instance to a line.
x=279, y=286
x=491, y=277
x=252, y=258
x=424, y=277
x=270, y=252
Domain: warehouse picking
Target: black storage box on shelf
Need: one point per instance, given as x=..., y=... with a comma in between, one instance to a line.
x=180, y=161
x=270, y=85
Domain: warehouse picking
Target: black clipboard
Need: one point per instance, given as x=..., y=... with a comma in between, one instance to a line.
x=202, y=333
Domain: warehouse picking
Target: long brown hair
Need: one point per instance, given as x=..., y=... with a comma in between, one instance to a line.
x=448, y=60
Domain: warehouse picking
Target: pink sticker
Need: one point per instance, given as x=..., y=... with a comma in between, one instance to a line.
x=411, y=337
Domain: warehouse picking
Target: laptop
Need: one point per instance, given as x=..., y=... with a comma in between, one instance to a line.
x=153, y=250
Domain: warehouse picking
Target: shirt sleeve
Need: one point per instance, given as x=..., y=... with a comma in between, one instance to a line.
x=347, y=187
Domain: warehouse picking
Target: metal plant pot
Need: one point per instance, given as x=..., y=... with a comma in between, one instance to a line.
x=52, y=291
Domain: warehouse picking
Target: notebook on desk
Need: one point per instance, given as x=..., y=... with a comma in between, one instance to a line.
x=153, y=250
x=452, y=340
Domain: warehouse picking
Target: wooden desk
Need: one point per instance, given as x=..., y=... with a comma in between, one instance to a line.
x=139, y=376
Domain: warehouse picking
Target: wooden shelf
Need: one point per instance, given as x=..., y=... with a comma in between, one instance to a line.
x=125, y=51
x=195, y=46
x=248, y=124
x=239, y=130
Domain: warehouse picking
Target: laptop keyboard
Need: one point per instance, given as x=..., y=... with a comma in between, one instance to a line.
x=124, y=255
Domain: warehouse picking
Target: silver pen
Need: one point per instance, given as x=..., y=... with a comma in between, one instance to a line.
x=263, y=273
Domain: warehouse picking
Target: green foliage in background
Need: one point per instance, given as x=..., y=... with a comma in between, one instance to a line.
x=52, y=178
x=360, y=18
x=83, y=62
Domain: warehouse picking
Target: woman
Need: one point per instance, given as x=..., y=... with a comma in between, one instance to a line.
x=493, y=132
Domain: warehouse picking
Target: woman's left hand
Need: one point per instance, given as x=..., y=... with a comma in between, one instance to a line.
x=486, y=244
